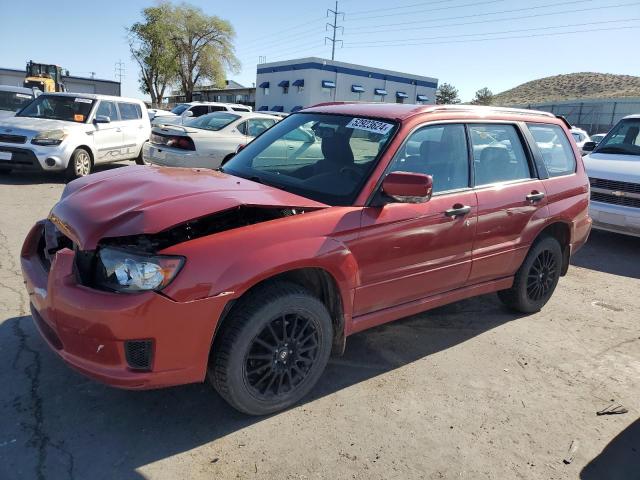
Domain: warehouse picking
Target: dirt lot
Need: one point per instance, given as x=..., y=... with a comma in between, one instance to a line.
x=465, y=391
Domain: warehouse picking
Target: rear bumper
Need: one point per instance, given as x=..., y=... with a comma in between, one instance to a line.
x=168, y=157
x=615, y=218
x=88, y=328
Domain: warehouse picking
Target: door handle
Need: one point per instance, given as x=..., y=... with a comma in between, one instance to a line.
x=535, y=196
x=290, y=147
x=457, y=210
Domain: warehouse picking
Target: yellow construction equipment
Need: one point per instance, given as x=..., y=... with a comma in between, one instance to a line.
x=45, y=77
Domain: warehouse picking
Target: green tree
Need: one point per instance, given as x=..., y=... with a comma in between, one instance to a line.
x=447, y=94
x=204, y=46
x=484, y=96
x=152, y=48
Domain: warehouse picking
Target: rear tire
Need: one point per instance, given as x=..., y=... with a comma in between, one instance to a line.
x=80, y=164
x=274, y=347
x=139, y=160
x=536, y=279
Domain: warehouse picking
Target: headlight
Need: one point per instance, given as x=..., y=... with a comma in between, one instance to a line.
x=124, y=271
x=50, y=137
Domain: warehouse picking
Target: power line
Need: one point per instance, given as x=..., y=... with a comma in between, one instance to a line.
x=334, y=26
x=536, y=15
x=475, y=15
x=421, y=4
x=294, y=27
x=392, y=43
x=500, y=38
x=280, y=41
x=474, y=4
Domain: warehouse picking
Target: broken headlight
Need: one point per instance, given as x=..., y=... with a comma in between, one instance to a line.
x=125, y=271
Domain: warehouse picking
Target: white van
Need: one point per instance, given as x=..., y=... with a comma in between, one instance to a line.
x=73, y=132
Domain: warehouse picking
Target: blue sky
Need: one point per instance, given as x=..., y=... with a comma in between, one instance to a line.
x=468, y=43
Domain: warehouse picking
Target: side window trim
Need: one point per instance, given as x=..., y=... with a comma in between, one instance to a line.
x=375, y=194
x=528, y=153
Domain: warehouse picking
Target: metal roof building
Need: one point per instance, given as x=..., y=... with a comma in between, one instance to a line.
x=14, y=77
x=294, y=84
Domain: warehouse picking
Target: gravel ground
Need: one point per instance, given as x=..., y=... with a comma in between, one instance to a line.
x=465, y=391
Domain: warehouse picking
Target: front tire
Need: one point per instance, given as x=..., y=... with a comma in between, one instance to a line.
x=275, y=346
x=80, y=164
x=536, y=279
x=139, y=160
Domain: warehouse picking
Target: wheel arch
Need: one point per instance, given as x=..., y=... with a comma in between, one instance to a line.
x=88, y=149
x=318, y=281
x=561, y=231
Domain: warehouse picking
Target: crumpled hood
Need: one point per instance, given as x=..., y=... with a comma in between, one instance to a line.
x=141, y=199
x=622, y=168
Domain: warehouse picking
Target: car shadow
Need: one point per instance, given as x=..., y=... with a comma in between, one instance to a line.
x=620, y=459
x=39, y=178
x=63, y=425
x=610, y=253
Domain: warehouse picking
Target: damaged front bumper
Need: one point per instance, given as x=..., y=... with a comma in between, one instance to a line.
x=94, y=331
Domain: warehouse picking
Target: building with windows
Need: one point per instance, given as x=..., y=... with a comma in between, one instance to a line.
x=233, y=92
x=291, y=85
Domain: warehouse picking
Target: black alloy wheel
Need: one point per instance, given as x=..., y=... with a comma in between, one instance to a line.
x=542, y=275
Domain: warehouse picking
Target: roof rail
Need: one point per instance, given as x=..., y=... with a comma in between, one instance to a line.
x=489, y=108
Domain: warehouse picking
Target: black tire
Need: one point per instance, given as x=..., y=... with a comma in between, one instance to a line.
x=276, y=324
x=80, y=164
x=139, y=160
x=536, y=279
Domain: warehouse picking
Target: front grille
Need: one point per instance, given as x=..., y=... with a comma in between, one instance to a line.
x=6, y=138
x=615, y=200
x=139, y=353
x=615, y=185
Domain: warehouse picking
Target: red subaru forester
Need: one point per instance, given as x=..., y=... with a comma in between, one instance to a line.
x=337, y=219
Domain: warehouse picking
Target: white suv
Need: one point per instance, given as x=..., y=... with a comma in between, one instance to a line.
x=185, y=111
x=72, y=132
x=613, y=166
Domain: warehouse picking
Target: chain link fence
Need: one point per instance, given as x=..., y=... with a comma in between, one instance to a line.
x=594, y=116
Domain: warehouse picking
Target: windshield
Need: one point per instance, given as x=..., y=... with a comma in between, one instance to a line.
x=70, y=109
x=624, y=139
x=327, y=158
x=213, y=121
x=178, y=109
x=13, y=101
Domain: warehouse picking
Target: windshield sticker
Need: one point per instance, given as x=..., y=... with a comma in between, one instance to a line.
x=22, y=95
x=78, y=118
x=83, y=100
x=368, y=125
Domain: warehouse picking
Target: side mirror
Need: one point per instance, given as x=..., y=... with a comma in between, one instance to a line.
x=589, y=146
x=102, y=119
x=405, y=187
x=188, y=114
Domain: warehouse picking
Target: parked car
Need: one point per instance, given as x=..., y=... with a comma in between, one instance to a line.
x=251, y=276
x=206, y=141
x=72, y=132
x=581, y=137
x=597, y=138
x=13, y=99
x=613, y=166
x=158, y=112
x=186, y=111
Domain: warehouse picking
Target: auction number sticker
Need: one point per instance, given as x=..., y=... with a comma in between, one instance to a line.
x=83, y=100
x=369, y=125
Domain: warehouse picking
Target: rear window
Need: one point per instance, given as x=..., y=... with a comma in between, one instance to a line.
x=555, y=148
x=213, y=121
x=129, y=111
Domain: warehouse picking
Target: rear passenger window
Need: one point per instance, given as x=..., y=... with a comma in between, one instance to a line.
x=199, y=110
x=129, y=111
x=498, y=155
x=555, y=148
x=439, y=151
x=216, y=108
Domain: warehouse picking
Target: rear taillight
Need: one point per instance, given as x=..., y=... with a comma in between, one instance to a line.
x=184, y=143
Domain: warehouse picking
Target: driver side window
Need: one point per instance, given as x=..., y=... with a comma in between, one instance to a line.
x=438, y=150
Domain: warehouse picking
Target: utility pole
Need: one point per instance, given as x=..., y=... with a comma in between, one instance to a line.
x=334, y=26
x=120, y=71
